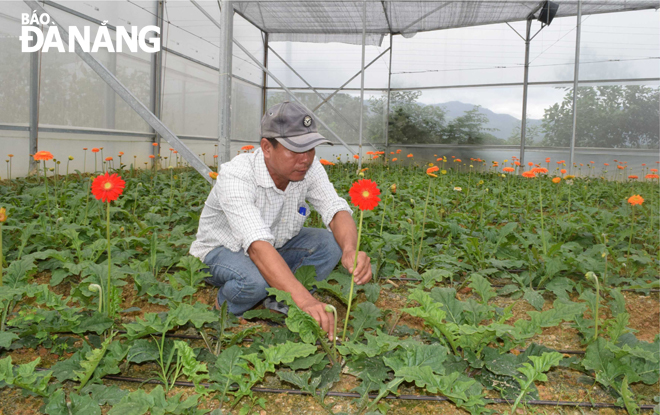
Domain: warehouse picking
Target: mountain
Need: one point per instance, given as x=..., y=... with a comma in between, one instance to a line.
x=502, y=124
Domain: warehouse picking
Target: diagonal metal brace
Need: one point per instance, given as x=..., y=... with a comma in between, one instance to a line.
x=132, y=101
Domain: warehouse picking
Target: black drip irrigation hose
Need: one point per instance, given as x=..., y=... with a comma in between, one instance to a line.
x=490, y=401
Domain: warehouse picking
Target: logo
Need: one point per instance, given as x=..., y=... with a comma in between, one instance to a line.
x=307, y=121
x=33, y=38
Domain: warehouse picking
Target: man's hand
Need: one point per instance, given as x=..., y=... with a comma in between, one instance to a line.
x=362, y=273
x=316, y=309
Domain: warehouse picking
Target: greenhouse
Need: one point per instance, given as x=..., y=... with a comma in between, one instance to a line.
x=483, y=226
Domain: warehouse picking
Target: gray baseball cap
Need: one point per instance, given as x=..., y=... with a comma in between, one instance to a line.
x=292, y=126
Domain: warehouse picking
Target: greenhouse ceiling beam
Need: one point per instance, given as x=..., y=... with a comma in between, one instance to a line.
x=227, y=21
x=314, y=89
x=576, y=74
x=414, y=22
x=351, y=78
x=131, y=100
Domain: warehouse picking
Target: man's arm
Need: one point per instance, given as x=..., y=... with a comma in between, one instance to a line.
x=277, y=274
x=345, y=232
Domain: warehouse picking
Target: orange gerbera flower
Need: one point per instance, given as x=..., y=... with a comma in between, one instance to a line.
x=247, y=148
x=410, y=155
x=175, y=152
x=107, y=188
x=391, y=152
x=43, y=155
x=154, y=144
x=10, y=155
x=539, y=170
x=394, y=159
x=633, y=177
x=530, y=164
x=431, y=170
x=108, y=159
x=635, y=200
x=326, y=162
x=556, y=180
x=375, y=156
x=151, y=156
x=370, y=153
x=85, y=148
x=563, y=171
x=620, y=167
x=508, y=169
x=457, y=160
x=121, y=153
x=356, y=157
x=95, y=150
x=364, y=194
x=215, y=156
x=654, y=170
x=517, y=163
x=529, y=174
x=398, y=151
x=652, y=176
x=606, y=164
x=547, y=160
x=213, y=175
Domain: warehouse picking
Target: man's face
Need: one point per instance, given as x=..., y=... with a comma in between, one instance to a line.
x=285, y=165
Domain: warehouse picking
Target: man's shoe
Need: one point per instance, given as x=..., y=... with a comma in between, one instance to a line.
x=278, y=306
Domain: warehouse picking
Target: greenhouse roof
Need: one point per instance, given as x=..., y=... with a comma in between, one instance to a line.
x=341, y=21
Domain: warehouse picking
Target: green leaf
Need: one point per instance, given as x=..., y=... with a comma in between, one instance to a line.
x=6, y=338
x=192, y=368
x=287, y=352
x=418, y=355
x=307, y=362
x=376, y=344
x=306, y=275
x=143, y=350
x=534, y=298
x=302, y=323
x=365, y=316
x=433, y=276
x=482, y=287
x=264, y=314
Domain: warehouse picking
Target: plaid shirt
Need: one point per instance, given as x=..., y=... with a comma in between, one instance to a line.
x=245, y=206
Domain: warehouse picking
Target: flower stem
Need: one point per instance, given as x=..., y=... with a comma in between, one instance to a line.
x=632, y=230
x=545, y=248
x=1, y=257
x=421, y=239
x=47, y=198
x=107, y=301
x=350, y=295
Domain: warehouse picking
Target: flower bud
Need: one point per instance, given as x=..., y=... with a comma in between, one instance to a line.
x=70, y=157
x=393, y=189
x=3, y=215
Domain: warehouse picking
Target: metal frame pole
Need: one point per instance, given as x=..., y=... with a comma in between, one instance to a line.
x=523, y=126
x=389, y=94
x=364, y=39
x=575, y=85
x=33, y=144
x=224, y=86
x=131, y=100
x=157, y=74
x=264, y=93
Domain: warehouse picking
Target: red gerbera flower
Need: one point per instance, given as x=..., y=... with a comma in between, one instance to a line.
x=43, y=155
x=364, y=194
x=107, y=188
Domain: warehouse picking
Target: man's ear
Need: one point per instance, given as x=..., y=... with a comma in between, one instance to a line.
x=266, y=147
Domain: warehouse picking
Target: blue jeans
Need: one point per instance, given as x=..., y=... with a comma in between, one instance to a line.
x=240, y=282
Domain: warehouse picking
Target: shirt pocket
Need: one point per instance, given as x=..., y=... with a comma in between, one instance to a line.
x=302, y=212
